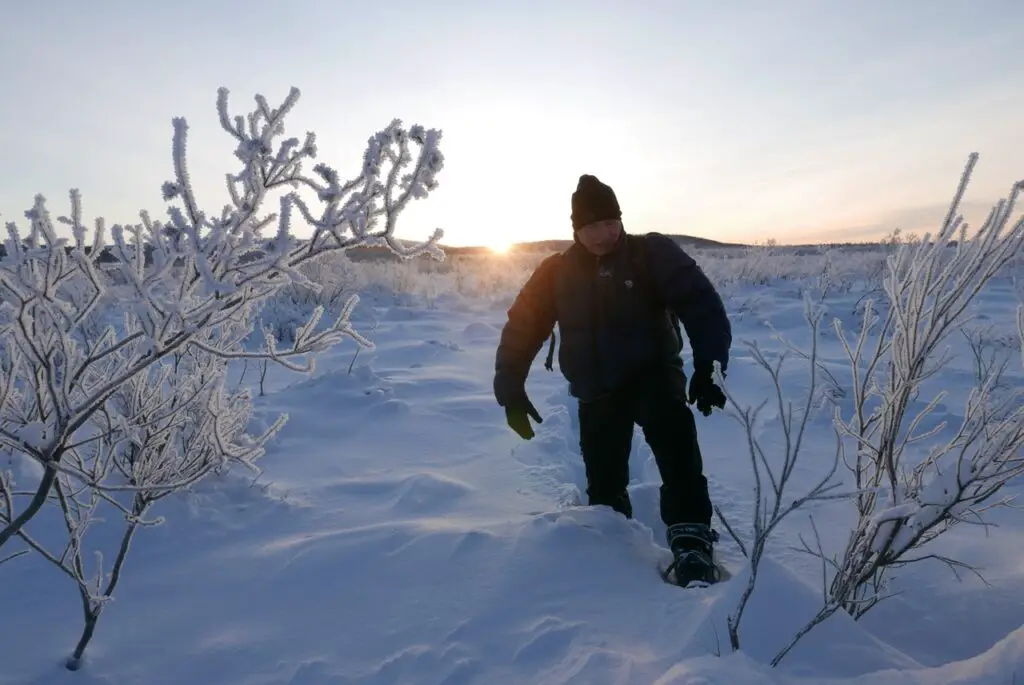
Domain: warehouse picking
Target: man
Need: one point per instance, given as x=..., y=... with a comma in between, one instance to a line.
x=615, y=298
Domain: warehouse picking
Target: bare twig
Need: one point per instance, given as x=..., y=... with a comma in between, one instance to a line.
x=771, y=481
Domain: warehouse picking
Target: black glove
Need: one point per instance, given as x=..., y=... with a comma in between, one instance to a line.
x=518, y=412
x=704, y=392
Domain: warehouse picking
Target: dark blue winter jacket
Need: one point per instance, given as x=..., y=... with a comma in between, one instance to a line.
x=613, y=323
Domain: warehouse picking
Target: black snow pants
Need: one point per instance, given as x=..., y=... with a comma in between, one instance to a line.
x=658, y=405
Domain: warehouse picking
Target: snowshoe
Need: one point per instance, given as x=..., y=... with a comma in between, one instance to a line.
x=693, y=564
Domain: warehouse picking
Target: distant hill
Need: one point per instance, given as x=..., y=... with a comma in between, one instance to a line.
x=562, y=244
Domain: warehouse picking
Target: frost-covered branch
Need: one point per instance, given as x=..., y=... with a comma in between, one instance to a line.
x=13, y=556
x=908, y=497
x=985, y=354
x=69, y=341
x=1020, y=330
x=6, y=507
x=772, y=476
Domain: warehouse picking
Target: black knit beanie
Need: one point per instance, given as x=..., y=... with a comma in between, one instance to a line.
x=593, y=201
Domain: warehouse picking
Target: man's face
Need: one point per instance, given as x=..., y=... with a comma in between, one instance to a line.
x=600, y=237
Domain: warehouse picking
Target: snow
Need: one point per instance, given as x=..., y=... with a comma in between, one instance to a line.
x=401, y=533
x=32, y=434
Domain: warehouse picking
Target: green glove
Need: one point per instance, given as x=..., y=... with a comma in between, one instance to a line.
x=518, y=413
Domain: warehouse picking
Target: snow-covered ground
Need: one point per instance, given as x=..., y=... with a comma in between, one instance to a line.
x=401, y=533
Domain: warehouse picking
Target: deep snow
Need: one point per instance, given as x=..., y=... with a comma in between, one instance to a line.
x=401, y=533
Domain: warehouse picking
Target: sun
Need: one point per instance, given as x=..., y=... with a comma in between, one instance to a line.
x=500, y=247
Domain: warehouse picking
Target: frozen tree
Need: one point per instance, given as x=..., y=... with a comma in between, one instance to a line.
x=191, y=284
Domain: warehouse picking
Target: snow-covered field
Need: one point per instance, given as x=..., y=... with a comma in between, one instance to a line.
x=401, y=533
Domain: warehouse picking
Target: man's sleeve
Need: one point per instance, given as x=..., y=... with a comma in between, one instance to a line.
x=531, y=318
x=688, y=291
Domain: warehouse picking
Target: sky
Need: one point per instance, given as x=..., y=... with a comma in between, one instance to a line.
x=795, y=121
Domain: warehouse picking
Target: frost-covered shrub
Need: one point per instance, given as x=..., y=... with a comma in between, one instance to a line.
x=113, y=355
x=909, y=495
x=912, y=477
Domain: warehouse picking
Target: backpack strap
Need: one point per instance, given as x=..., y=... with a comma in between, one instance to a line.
x=549, y=362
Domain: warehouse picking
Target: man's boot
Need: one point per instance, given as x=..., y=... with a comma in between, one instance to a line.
x=620, y=503
x=692, y=546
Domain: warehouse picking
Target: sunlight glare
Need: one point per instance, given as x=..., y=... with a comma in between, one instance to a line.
x=500, y=247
